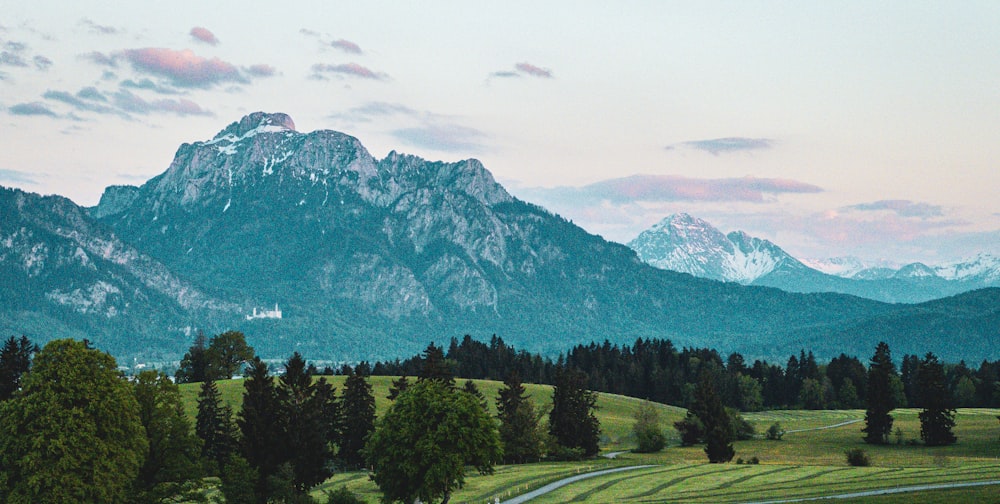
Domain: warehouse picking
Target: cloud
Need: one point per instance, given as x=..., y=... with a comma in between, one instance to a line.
x=203, y=35
x=505, y=74
x=17, y=177
x=261, y=70
x=346, y=46
x=41, y=62
x=91, y=93
x=131, y=103
x=348, y=69
x=100, y=58
x=98, y=29
x=902, y=208
x=726, y=145
x=183, y=68
x=82, y=100
x=309, y=33
x=31, y=109
x=534, y=71
x=148, y=85
x=10, y=58
x=443, y=137
x=366, y=112
x=658, y=188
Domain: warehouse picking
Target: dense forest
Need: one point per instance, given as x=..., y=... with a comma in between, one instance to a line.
x=655, y=369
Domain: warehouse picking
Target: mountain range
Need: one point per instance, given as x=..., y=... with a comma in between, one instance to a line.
x=373, y=258
x=688, y=244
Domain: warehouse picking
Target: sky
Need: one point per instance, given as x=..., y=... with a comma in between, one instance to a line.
x=848, y=128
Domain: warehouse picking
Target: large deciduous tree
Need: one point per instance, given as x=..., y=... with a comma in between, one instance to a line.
x=222, y=357
x=880, y=396
x=422, y=445
x=937, y=417
x=73, y=433
x=572, y=422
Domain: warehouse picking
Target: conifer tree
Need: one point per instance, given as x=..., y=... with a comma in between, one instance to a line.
x=435, y=367
x=215, y=426
x=173, y=455
x=937, y=417
x=572, y=422
x=15, y=360
x=259, y=424
x=718, y=428
x=359, y=419
x=518, y=423
x=304, y=428
x=878, y=422
x=398, y=386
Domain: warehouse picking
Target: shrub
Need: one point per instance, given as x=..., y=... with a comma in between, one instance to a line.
x=753, y=460
x=858, y=458
x=774, y=432
x=342, y=496
x=743, y=429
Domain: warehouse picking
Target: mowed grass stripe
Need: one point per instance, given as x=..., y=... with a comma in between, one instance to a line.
x=614, y=482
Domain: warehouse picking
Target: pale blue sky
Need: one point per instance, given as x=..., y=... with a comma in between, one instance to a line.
x=831, y=128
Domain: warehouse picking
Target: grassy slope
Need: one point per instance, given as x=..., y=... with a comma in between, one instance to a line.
x=802, y=464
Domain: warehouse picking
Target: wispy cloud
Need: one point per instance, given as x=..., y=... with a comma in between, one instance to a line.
x=82, y=102
x=659, y=188
x=31, y=109
x=131, y=103
x=100, y=58
x=203, y=35
x=17, y=177
x=902, y=208
x=97, y=28
x=347, y=69
x=148, y=85
x=524, y=69
x=443, y=137
x=726, y=145
x=41, y=62
x=261, y=70
x=12, y=58
x=183, y=68
x=534, y=71
x=346, y=46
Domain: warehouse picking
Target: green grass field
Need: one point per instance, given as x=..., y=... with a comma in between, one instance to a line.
x=803, y=464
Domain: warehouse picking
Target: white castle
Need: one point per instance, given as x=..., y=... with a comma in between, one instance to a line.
x=265, y=314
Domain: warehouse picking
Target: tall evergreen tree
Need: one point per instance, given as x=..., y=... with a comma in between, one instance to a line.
x=937, y=417
x=259, y=424
x=215, y=426
x=195, y=363
x=435, y=367
x=398, y=386
x=359, y=419
x=15, y=360
x=518, y=423
x=572, y=422
x=719, y=432
x=878, y=421
x=173, y=455
x=305, y=429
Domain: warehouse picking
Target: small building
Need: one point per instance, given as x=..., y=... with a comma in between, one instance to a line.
x=265, y=314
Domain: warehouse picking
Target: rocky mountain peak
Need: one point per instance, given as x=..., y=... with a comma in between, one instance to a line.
x=258, y=122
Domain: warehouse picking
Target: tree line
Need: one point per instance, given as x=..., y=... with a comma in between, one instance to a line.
x=656, y=370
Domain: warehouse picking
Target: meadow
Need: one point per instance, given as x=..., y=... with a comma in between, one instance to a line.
x=808, y=463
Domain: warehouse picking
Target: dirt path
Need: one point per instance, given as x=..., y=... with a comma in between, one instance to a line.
x=566, y=481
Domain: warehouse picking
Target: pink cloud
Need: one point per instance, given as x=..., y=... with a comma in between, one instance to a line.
x=351, y=69
x=204, y=35
x=346, y=46
x=183, y=68
x=903, y=208
x=533, y=70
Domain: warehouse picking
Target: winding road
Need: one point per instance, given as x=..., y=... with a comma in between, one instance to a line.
x=566, y=481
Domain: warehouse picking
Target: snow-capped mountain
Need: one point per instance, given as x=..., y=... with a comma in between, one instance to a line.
x=688, y=244
x=691, y=245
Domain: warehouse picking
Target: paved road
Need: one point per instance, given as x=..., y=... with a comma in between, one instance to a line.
x=885, y=491
x=566, y=481
x=834, y=426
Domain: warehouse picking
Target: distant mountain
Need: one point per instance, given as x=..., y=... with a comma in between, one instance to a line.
x=691, y=245
x=373, y=258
